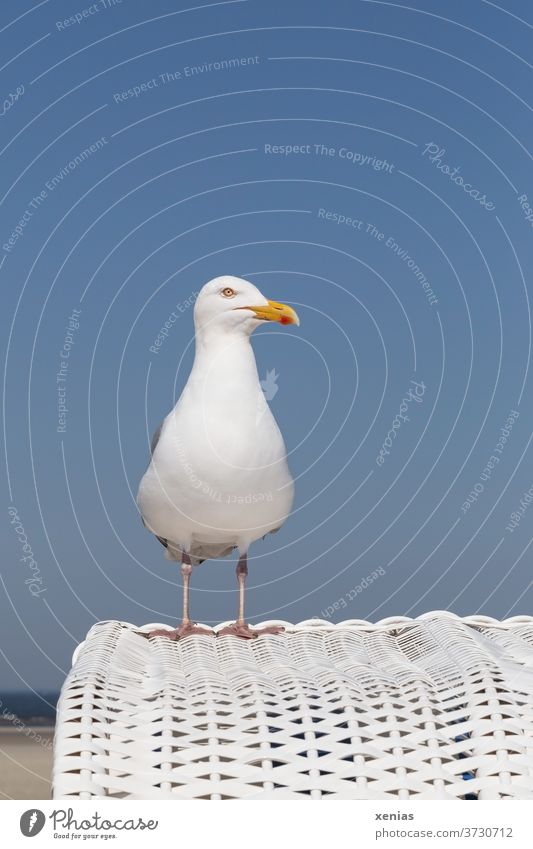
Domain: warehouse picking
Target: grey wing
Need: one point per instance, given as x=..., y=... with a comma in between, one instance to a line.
x=155, y=439
x=153, y=444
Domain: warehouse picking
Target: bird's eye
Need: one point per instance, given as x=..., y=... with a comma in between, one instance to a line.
x=228, y=292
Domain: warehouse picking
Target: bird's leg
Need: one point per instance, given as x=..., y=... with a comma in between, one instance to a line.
x=240, y=628
x=186, y=570
x=187, y=627
x=242, y=574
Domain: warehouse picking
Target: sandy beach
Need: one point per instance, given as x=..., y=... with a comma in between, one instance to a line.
x=26, y=762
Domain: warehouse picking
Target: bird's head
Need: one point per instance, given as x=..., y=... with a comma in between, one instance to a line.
x=232, y=304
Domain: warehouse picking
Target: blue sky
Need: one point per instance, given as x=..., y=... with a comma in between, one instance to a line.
x=367, y=162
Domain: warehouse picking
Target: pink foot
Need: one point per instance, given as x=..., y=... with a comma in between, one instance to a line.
x=244, y=631
x=186, y=629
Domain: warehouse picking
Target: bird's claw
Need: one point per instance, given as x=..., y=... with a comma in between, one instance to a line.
x=243, y=630
x=186, y=629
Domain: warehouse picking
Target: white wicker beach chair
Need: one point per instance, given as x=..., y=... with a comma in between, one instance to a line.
x=433, y=708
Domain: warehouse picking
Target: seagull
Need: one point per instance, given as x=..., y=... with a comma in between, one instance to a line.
x=218, y=477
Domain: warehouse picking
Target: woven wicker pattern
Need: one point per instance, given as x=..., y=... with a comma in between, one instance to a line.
x=433, y=708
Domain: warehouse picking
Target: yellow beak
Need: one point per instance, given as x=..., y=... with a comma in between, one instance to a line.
x=272, y=311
